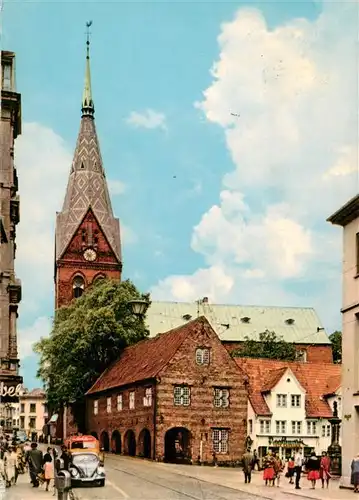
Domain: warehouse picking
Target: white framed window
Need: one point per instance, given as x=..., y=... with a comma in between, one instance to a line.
x=221, y=398
x=295, y=400
x=147, y=399
x=182, y=395
x=119, y=402
x=6, y=83
x=296, y=427
x=131, y=401
x=281, y=400
x=280, y=426
x=108, y=405
x=202, y=356
x=95, y=407
x=250, y=426
x=311, y=427
x=220, y=440
x=265, y=426
x=301, y=355
x=329, y=431
x=323, y=431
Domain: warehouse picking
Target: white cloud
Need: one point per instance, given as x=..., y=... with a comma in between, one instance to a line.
x=28, y=336
x=43, y=162
x=294, y=150
x=116, y=187
x=150, y=119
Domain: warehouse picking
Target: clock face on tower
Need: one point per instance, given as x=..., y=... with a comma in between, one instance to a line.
x=90, y=255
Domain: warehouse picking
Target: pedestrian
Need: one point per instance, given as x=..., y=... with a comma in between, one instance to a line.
x=268, y=473
x=298, y=464
x=66, y=457
x=255, y=460
x=247, y=462
x=48, y=468
x=35, y=461
x=290, y=470
x=278, y=469
x=355, y=473
x=11, y=466
x=313, y=467
x=325, y=469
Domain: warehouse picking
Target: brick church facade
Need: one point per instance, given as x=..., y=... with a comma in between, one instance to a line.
x=87, y=237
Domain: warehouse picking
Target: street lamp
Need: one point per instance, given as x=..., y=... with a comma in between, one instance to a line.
x=138, y=307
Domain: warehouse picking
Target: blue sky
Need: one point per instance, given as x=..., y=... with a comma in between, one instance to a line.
x=210, y=204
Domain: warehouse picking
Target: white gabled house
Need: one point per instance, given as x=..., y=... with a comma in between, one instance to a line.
x=290, y=404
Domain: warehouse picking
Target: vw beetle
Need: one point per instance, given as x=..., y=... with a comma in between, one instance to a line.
x=86, y=467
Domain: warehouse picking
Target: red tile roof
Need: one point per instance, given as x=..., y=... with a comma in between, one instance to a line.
x=145, y=359
x=317, y=379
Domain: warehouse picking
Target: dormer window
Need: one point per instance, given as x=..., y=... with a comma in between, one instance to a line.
x=245, y=319
x=301, y=355
x=289, y=321
x=202, y=356
x=187, y=317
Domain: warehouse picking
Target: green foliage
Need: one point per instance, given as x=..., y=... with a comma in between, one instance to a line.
x=336, y=340
x=87, y=336
x=268, y=346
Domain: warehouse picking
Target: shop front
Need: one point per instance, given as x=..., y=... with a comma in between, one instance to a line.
x=285, y=447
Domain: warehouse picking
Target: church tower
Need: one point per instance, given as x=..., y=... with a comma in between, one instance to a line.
x=87, y=239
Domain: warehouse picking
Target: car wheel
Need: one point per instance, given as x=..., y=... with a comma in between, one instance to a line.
x=101, y=482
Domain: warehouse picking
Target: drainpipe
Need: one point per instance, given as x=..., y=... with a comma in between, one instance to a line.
x=154, y=419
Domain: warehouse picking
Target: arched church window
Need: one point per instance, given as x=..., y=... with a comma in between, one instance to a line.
x=78, y=286
x=98, y=278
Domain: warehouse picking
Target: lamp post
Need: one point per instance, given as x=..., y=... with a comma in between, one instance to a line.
x=138, y=307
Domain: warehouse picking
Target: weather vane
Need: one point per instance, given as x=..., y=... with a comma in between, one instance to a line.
x=88, y=24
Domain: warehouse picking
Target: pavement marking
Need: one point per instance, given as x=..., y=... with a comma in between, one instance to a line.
x=123, y=493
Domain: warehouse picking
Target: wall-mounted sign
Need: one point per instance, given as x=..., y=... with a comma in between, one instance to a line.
x=13, y=391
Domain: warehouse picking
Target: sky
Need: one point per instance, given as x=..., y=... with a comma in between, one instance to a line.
x=210, y=204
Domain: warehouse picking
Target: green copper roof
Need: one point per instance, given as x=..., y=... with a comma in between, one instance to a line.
x=235, y=322
x=87, y=102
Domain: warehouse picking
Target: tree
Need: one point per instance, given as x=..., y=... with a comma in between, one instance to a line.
x=336, y=340
x=268, y=346
x=86, y=337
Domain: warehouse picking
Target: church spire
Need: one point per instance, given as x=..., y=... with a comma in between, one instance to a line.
x=88, y=108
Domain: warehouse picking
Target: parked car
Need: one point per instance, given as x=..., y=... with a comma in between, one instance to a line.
x=87, y=467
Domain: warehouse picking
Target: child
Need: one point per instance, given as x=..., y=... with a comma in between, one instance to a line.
x=48, y=468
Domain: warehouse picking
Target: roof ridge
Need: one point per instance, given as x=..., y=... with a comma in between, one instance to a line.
x=232, y=305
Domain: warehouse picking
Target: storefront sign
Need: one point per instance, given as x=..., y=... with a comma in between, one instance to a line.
x=286, y=443
x=13, y=391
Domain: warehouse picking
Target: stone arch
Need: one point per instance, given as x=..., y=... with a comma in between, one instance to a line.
x=98, y=277
x=129, y=443
x=144, y=443
x=105, y=441
x=116, y=446
x=178, y=445
x=78, y=285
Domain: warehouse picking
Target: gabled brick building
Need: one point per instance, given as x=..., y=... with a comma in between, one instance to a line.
x=177, y=396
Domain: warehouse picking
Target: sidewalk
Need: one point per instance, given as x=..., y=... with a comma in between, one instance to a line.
x=23, y=490
x=233, y=478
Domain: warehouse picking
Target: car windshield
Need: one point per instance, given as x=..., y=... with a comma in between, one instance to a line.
x=85, y=458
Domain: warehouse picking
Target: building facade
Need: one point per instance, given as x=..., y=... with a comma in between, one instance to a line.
x=33, y=412
x=10, y=286
x=348, y=218
x=233, y=323
x=290, y=404
x=87, y=239
x=176, y=397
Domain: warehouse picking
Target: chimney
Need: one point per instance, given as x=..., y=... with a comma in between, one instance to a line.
x=205, y=300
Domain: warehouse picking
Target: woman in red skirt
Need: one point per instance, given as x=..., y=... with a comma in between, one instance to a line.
x=269, y=473
x=313, y=466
